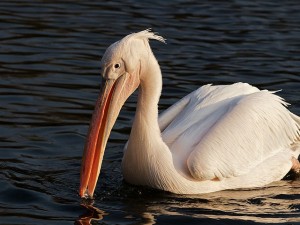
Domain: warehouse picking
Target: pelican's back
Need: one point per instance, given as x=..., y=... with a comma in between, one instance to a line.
x=218, y=132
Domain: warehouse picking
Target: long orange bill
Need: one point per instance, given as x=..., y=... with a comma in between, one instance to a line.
x=96, y=140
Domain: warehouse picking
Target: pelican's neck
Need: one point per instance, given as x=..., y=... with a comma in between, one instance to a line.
x=146, y=117
x=145, y=132
x=147, y=159
x=145, y=144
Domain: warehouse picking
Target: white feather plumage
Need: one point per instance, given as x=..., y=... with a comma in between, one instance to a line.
x=215, y=138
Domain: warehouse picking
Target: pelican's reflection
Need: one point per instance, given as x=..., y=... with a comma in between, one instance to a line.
x=275, y=203
x=91, y=214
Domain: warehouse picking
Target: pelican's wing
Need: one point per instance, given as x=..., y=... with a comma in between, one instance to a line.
x=206, y=95
x=225, y=131
x=166, y=117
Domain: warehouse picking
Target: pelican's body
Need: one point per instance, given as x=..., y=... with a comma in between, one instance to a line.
x=216, y=138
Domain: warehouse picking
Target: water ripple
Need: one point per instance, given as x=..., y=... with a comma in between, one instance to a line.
x=49, y=66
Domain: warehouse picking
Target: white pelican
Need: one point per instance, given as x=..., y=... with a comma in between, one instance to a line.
x=215, y=138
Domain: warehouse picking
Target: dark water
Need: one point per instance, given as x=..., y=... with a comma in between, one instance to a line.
x=49, y=66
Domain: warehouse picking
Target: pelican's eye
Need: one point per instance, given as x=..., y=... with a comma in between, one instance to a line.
x=117, y=65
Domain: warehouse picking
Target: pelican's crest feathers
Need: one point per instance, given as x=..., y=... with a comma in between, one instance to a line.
x=146, y=34
x=119, y=47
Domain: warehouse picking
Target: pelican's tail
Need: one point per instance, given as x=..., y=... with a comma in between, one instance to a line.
x=296, y=144
x=297, y=119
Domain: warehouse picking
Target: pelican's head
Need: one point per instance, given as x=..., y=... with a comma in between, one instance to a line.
x=122, y=66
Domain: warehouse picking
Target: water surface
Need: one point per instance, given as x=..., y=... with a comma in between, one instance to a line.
x=49, y=68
